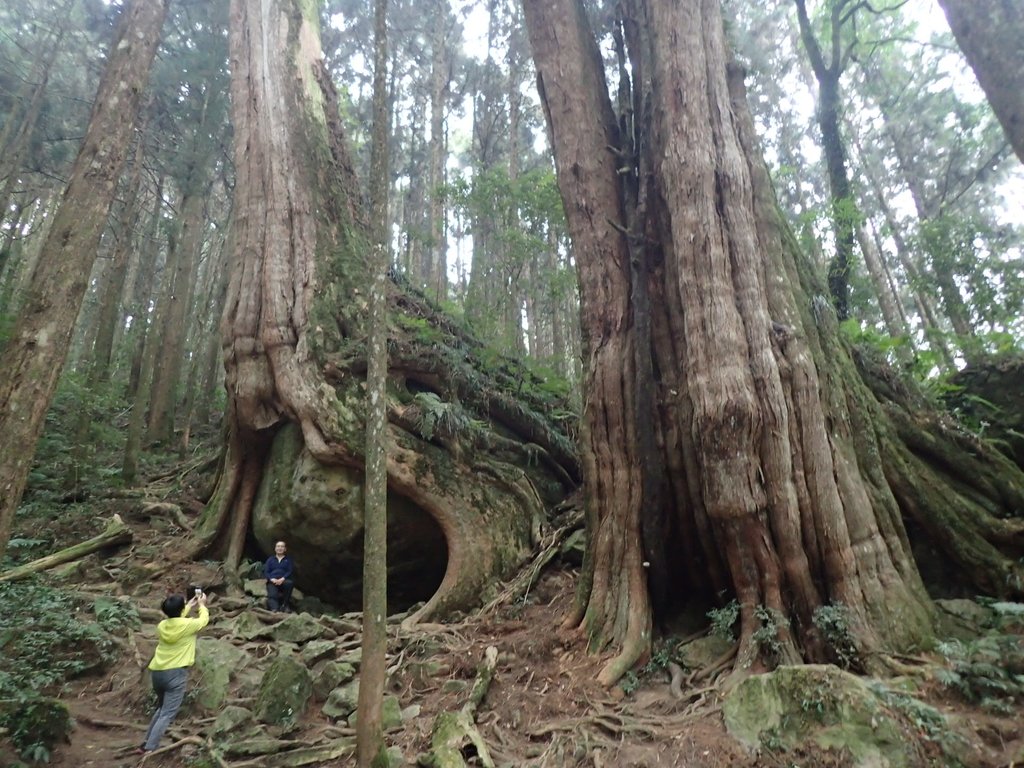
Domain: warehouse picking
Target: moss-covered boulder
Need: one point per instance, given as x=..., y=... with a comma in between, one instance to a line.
x=822, y=705
x=328, y=675
x=316, y=651
x=298, y=628
x=231, y=719
x=247, y=626
x=284, y=693
x=390, y=713
x=704, y=651
x=342, y=702
x=217, y=663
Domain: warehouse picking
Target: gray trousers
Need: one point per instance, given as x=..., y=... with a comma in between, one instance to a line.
x=169, y=685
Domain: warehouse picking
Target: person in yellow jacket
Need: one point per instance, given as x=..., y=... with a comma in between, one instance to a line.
x=175, y=653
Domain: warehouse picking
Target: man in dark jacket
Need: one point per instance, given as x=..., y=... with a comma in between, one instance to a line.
x=278, y=572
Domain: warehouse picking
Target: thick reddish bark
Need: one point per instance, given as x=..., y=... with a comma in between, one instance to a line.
x=295, y=340
x=787, y=477
x=39, y=343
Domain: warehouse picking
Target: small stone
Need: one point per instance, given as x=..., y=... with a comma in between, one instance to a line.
x=316, y=651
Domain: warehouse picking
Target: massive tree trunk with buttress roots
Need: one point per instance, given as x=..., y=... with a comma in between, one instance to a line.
x=765, y=464
x=465, y=448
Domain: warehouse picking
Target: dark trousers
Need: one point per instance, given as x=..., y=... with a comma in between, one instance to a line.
x=279, y=595
x=169, y=685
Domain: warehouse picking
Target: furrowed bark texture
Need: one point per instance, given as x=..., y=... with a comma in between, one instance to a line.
x=39, y=343
x=788, y=479
x=295, y=343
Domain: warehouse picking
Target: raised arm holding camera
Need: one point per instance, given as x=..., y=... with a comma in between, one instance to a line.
x=175, y=653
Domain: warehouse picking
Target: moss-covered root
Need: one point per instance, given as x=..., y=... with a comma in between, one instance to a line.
x=455, y=733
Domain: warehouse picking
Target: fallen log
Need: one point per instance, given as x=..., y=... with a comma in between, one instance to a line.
x=114, y=534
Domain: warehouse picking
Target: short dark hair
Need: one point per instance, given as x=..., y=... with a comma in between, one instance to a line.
x=173, y=606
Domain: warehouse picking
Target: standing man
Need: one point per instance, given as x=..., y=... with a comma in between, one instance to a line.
x=278, y=573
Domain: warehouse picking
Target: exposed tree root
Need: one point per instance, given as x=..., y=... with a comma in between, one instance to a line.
x=455, y=735
x=549, y=547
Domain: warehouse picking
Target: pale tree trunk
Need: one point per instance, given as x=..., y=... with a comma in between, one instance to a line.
x=205, y=342
x=440, y=75
x=39, y=344
x=922, y=299
x=991, y=35
x=180, y=279
x=15, y=141
x=371, y=750
x=887, y=300
x=40, y=223
x=143, y=352
x=928, y=211
x=102, y=343
x=786, y=477
x=211, y=355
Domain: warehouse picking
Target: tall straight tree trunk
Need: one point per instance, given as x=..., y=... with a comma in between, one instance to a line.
x=15, y=141
x=844, y=209
x=440, y=75
x=614, y=607
x=35, y=355
x=370, y=746
x=174, y=320
x=787, y=474
x=991, y=35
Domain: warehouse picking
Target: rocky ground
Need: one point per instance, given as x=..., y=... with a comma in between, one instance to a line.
x=279, y=690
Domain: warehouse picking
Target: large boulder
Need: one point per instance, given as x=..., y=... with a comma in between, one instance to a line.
x=284, y=693
x=217, y=663
x=825, y=706
x=318, y=510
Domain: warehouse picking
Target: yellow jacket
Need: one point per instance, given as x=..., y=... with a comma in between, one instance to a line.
x=177, y=645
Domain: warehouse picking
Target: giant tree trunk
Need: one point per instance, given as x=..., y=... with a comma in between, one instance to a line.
x=787, y=478
x=35, y=354
x=461, y=448
x=991, y=35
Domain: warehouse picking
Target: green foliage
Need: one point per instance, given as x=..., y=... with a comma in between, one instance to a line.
x=724, y=619
x=988, y=671
x=44, y=640
x=36, y=724
x=434, y=416
x=833, y=621
x=116, y=616
x=661, y=656
x=924, y=718
x=766, y=636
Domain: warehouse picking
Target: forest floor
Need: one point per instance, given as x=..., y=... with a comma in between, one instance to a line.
x=542, y=709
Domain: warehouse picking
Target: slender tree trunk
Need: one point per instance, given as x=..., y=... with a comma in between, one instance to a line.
x=991, y=35
x=13, y=143
x=437, y=272
x=173, y=319
x=35, y=355
x=844, y=209
x=891, y=315
x=370, y=746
